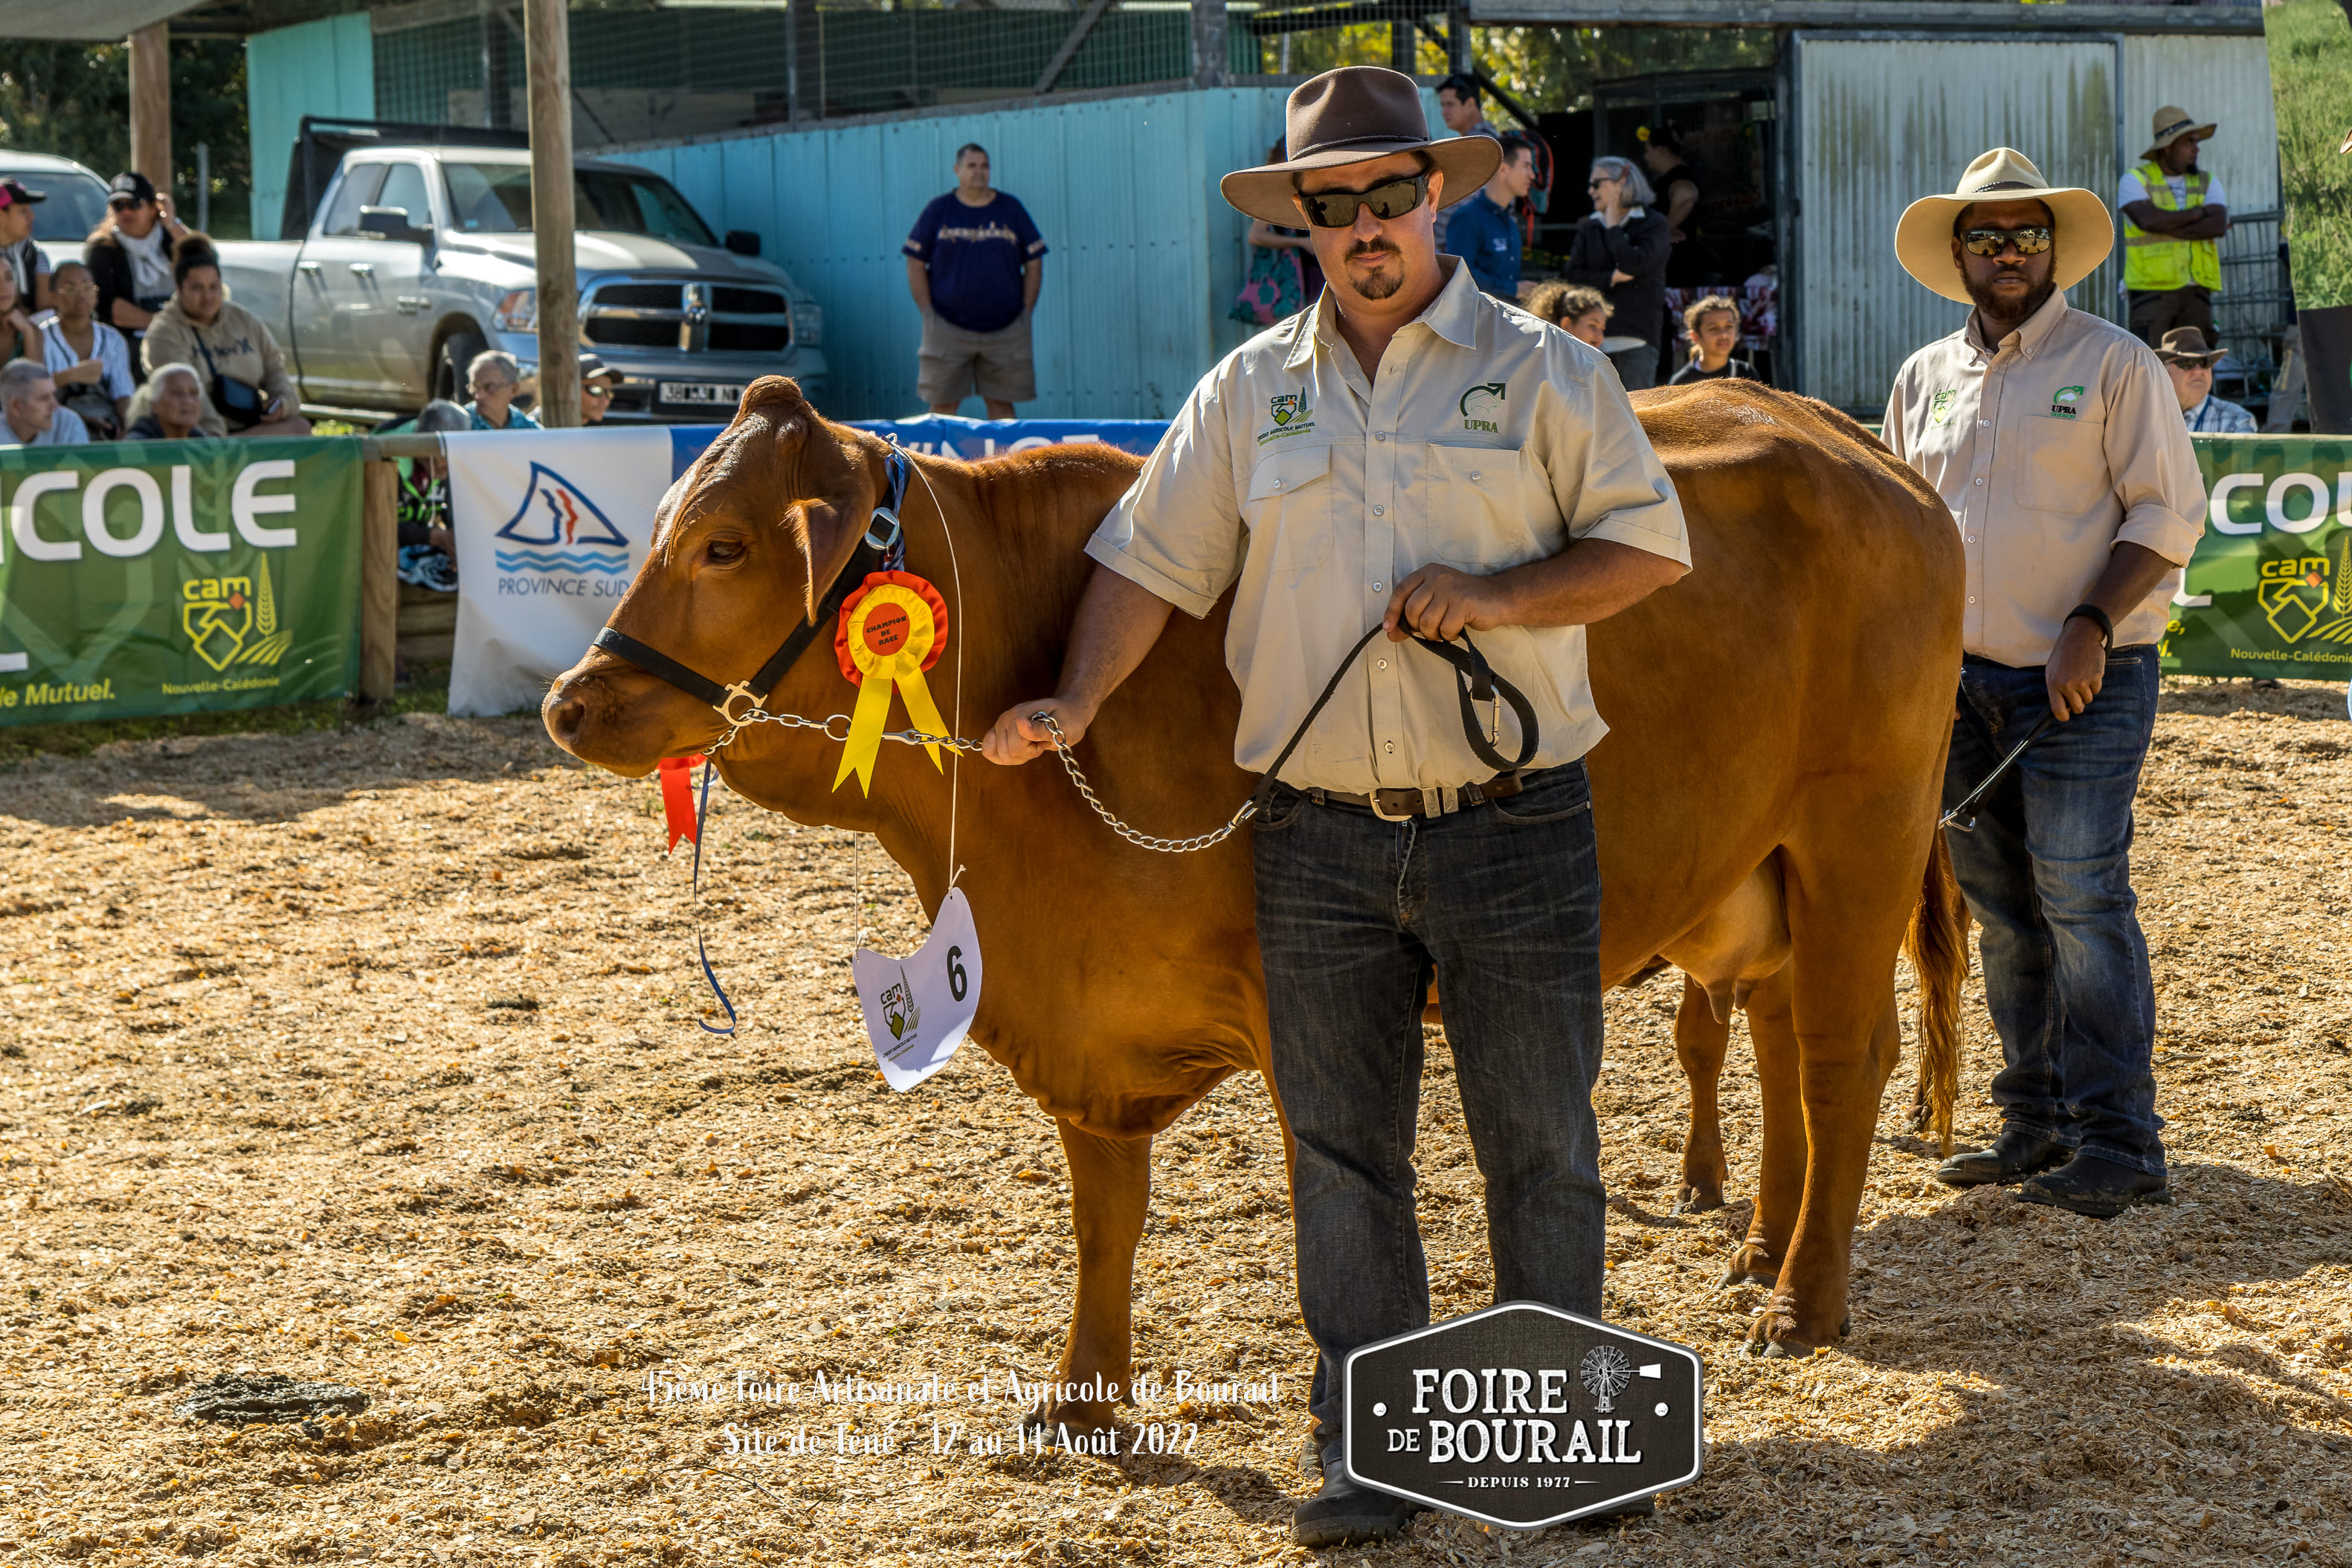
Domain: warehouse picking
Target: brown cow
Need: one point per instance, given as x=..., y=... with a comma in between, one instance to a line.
x=1767, y=799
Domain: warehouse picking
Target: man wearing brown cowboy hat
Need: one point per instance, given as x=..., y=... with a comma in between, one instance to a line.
x=2175, y=215
x=1414, y=456
x=2053, y=437
x=2190, y=363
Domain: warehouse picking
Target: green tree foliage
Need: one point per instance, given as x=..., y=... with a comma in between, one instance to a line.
x=74, y=100
x=2311, y=82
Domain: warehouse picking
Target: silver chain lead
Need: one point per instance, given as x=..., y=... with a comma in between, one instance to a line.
x=1242, y=813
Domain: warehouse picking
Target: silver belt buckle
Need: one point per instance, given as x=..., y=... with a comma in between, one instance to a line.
x=1374, y=797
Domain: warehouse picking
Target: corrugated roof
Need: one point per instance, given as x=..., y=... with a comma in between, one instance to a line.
x=94, y=21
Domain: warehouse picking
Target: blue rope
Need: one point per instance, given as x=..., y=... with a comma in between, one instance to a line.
x=701, y=822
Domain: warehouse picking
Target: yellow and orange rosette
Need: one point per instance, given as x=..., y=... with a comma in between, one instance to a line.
x=892, y=630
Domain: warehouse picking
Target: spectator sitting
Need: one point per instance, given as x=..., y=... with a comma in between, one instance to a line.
x=494, y=378
x=247, y=389
x=19, y=339
x=130, y=255
x=596, y=381
x=20, y=254
x=428, y=551
x=29, y=407
x=2190, y=363
x=1622, y=250
x=170, y=407
x=1582, y=313
x=1712, y=324
x=975, y=262
x=86, y=358
x=1481, y=232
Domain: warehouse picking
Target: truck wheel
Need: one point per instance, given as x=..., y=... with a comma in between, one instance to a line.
x=457, y=351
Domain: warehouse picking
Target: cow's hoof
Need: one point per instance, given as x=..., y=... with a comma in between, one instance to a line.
x=1751, y=1265
x=1694, y=1200
x=1075, y=1416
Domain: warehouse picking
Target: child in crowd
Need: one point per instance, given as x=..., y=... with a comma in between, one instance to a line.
x=1712, y=325
x=1582, y=313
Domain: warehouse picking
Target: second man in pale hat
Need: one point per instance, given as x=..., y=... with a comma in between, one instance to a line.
x=2175, y=215
x=2055, y=439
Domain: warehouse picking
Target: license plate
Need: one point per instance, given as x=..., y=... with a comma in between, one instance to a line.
x=714, y=393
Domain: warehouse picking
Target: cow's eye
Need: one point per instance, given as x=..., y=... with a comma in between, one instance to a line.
x=724, y=551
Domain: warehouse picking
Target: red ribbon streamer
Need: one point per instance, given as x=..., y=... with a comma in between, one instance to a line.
x=677, y=799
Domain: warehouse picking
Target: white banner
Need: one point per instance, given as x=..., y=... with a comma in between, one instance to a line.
x=551, y=528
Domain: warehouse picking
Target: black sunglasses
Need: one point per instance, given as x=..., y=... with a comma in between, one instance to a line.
x=1388, y=199
x=2030, y=241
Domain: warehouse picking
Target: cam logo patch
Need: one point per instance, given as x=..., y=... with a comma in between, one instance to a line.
x=2061, y=404
x=2308, y=596
x=234, y=619
x=1291, y=416
x=898, y=1009
x=1939, y=407
x=1482, y=408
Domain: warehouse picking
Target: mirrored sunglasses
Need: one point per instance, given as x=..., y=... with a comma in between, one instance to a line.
x=2030, y=241
x=1389, y=199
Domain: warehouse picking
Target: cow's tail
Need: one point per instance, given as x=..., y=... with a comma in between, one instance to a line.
x=1938, y=947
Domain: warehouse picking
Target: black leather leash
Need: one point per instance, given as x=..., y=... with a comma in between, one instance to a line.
x=1950, y=817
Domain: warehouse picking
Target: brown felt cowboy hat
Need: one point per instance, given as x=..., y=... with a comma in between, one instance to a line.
x=2084, y=231
x=2186, y=345
x=1354, y=115
x=2170, y=125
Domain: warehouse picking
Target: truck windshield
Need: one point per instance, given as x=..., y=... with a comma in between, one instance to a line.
x=495, y=198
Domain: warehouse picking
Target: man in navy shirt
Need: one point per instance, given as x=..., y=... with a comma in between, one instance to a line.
x=1483, y=232
x=973, y=263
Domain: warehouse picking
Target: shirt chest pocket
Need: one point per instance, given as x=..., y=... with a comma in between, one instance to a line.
x=1475, y=511
x=1288, y=509
x=2065, y=464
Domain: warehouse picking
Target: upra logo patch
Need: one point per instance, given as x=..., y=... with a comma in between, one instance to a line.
x=561, y=529
x=2062, y=401
x=1482, y=407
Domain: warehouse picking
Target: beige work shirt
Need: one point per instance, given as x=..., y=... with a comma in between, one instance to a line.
x=1490, y=440
x=2050, y=448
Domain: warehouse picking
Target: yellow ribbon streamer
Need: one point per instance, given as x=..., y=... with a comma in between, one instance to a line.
x=891, y=631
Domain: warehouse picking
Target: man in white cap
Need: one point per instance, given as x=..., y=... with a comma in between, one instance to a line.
x=1414, y=456
x=2175, y=215
x=2055, y=439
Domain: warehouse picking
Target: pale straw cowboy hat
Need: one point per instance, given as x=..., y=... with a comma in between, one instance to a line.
x=2170, y=125
x=1354, y=115
x=2082, y=230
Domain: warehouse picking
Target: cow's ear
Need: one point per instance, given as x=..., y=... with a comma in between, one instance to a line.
x=832, y=495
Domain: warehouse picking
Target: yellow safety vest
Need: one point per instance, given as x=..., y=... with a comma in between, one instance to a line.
x=2159, y=261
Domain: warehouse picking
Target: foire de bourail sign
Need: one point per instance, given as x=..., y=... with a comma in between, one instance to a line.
x=1525, y=1416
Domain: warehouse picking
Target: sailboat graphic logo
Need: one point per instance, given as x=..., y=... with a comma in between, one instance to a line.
x=559, y=529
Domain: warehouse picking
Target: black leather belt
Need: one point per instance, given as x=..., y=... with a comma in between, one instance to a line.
x=1397, y=805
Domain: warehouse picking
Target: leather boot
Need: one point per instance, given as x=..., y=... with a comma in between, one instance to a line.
x=1346, y=1511
x=2014, y=1155
x=2100, y=1188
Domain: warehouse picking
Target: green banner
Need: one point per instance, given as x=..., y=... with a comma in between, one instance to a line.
x=2269, y=592
x=158, y=577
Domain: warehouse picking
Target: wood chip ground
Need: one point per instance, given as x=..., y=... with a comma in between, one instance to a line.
x=373, y=1057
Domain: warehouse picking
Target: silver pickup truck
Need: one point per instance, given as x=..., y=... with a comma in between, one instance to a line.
x=421, y=256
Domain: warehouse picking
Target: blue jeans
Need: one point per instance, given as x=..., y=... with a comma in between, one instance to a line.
x=2048, y=875
x=1503, y=902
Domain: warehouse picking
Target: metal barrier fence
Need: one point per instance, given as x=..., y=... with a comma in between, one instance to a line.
x=2256, y=307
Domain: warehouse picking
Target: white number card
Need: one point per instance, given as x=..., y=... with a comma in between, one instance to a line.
x=919, y=1010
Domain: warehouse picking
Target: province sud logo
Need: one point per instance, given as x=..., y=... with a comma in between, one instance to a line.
x=559, y=529
x=1482, y=407
x=2062, y=401
x=234, y=619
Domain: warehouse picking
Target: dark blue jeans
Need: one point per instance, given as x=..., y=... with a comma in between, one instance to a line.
x=1503, y=902
x=2048, y=875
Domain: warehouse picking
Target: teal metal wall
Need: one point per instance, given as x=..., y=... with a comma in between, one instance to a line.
x=1145, y=257
x=318, y=68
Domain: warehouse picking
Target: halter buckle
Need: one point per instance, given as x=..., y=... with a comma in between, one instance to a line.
x=898, y=529
x=739, y=689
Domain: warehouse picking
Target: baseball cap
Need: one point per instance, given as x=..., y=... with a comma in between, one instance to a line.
x=130, y=187
x=12, y=192
x=591, y=367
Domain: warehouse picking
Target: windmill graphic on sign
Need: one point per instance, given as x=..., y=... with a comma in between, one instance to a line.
x=561, y=530
x=1605, y=1373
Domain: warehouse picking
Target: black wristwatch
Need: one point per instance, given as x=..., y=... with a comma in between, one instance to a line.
x=2093, y=612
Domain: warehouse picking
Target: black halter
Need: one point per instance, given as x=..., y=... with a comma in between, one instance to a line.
x=886, y=553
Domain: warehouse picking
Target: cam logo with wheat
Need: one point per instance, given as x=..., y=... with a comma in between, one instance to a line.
x=234, y=619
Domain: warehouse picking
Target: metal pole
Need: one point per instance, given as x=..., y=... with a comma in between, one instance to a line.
x=1209, y=43
x=151, y=104
x=204, y=186
x=547, y=33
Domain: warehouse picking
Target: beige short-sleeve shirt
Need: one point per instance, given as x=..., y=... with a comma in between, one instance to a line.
x=2050, y=448
x=1490, y=440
